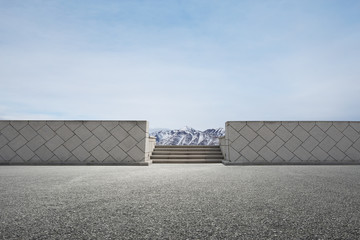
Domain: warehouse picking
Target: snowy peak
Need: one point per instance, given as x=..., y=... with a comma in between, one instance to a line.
x=188, y=136
x=187, y=128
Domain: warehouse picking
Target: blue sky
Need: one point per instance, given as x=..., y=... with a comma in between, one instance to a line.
x=177, y=63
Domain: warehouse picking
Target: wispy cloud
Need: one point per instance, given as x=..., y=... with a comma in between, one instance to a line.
x=180, y=63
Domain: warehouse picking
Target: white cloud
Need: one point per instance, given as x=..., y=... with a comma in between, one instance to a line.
x=175, y=68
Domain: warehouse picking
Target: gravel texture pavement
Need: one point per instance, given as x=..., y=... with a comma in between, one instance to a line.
x=179, y=201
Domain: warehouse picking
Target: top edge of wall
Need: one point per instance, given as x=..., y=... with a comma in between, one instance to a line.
x=292, y=121
x=10, y=120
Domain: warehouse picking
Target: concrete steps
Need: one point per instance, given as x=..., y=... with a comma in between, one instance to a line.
x=187, y=149
x=187, y=154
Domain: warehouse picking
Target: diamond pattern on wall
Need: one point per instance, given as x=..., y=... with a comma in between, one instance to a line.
x=18, y=124
x=9, y=132
x=293, y=141
x=17, y=142
x=3, y=141
x=73, y=142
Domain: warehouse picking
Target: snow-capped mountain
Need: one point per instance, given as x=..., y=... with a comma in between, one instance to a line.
x=187, y=136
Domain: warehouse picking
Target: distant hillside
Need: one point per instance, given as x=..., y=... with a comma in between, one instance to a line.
x=187, y=136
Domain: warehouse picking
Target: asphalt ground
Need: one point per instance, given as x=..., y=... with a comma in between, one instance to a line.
x=180, y=201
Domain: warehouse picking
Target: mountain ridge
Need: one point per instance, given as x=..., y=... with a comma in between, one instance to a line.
x=188, y=136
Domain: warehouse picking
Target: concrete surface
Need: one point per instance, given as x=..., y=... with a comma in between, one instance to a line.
x=74, y=142
x=186, y=154
x=289, y=142
x=199, y=201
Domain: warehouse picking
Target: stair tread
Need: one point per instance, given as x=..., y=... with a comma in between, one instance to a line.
x=187, y=161
x=186, y=156
x=187, y=149
x=187, y=152
x=186, y=146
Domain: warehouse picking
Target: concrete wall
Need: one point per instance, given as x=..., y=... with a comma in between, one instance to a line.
x=152, y=144
x=291, y=142
x=74, y=142
x=223, y=146
x=150, y=147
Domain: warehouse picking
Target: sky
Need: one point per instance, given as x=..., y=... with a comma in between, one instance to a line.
x=198, y=63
